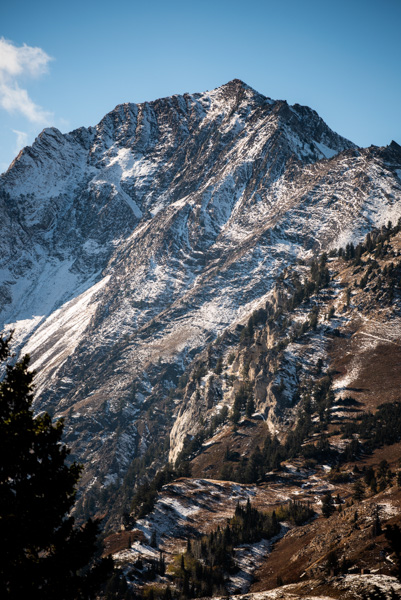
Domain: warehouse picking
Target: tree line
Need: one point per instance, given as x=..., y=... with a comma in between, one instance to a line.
x=202, y=570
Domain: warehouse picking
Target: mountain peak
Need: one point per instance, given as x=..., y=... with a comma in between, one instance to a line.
x=235, y=86
x=237, y=83
x=395, y=146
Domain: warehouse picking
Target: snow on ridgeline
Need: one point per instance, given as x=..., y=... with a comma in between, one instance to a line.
x=127, y=247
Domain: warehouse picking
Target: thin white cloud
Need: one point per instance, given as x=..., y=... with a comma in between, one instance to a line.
x=15, y=63
x=16, y=99
x=22, y=140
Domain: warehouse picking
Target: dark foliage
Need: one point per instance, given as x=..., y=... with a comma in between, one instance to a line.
x=203, y=568
x=374, y=242
x=381, y=428
x=43, y=555
x=328, y=505
x=393, y=536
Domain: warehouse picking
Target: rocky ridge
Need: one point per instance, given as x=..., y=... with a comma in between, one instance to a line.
x=127, y=248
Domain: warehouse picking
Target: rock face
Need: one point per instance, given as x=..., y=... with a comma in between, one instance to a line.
x=126, y=248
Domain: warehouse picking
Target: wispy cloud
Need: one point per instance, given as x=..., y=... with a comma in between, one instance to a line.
x=22, y=140
x=18, y=62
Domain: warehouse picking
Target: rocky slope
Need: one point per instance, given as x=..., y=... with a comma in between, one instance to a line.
x=335, y=438
x=346, y=555
x=350, y=449
x=127, y=248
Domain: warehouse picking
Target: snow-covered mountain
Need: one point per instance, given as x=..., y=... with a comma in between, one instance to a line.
x=128, y=247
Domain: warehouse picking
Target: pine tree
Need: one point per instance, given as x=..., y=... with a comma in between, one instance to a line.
x=358, y=490
x=376, y=526
x=332, y=563
x=153, y=539
x=42, y=554
x=393, y=536
x=328, y=505
x=250, y=407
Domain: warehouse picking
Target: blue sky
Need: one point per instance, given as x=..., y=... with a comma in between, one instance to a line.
x=68, y=64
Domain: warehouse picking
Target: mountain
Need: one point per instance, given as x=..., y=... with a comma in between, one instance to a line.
x=134, y=251
x=321, y=357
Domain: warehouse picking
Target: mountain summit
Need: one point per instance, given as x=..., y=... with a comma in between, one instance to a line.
x=128, y=247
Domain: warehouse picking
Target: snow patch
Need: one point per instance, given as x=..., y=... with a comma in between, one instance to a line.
x=58, y=336
x=325, y=150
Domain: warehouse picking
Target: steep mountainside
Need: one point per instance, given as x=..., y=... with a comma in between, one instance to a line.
x=299, y=410
x=128, y=248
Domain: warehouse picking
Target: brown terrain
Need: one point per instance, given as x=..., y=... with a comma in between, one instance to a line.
x=343, y=556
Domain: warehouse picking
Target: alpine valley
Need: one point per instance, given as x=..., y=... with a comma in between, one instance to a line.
x=209, y=288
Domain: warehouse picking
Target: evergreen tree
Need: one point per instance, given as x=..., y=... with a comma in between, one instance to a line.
x=43, y=555
x=332, y=564
x=219, y=366
x=250, y=407
x=153, y=540
x=358, y=490
x=328, y=505
x=393, y=536
x=376, y=527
